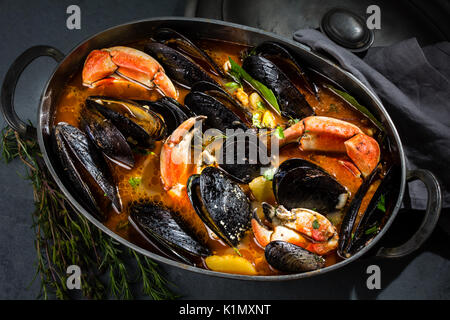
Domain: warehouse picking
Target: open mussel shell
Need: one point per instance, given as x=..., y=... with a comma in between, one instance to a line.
x=76, y=145
x=351, y=238
x=162, y=227
x=139, y=125
x=221, y=204
x=288, y=257
x=292, y=103
x=107, y=138
x=277, y=52
x=218, y=115
x=242, y=156
x=298, y=183
x=173, y=38
x=171, y=111
x=216, y=91
x=179, y=67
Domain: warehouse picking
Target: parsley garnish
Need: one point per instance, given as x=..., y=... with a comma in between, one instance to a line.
x=381, y=204
x=279, y=133
x=134, y=182
x=316, y=224
x=232, y=85
x=268, y=174
x=371, y=230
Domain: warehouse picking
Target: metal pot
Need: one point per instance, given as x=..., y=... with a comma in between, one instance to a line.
x=205, y=28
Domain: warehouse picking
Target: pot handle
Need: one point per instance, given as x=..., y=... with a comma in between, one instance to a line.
x=433, y=210
x=10, y=83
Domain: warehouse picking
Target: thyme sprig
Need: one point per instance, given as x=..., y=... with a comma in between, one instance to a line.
x=63, y=238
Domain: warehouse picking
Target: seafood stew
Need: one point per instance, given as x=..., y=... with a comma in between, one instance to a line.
x=126, y=123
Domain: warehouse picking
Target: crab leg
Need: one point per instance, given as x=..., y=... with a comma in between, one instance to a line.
x=326, y=134
x=264, y=236
x=129, y=63
x=364, y=152
x=175, y=163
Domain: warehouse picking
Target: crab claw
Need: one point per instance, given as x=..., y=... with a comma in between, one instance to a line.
x=364, y=152
x=317, y=133
x=98, y=65
x=304, y=228
x=129, y=63
x=262, y=234
x=327, y=134
x=176, y=165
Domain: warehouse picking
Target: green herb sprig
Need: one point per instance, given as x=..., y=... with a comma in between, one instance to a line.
x=237, y=73
x=64, y=237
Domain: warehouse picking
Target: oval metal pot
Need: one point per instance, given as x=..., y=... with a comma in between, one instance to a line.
x=206, y=28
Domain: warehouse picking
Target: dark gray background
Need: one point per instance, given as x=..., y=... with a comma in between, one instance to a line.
x=424, y=275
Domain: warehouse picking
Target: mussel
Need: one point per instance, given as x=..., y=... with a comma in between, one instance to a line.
x=243, y=155
x=81, y=159
x=298, y=183
x=139, y=125
x=221, y=204
x=278, y=53
x=161, y=226
x=107, y=138
x=178, y=66
x=218, y=115
x=171, y=111
x=175, y=39
x=288, y=257
x=351, y=238
x=292, y=103
x=215, y=91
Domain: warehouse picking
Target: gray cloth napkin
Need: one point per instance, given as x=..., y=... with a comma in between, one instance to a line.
x=414, y=86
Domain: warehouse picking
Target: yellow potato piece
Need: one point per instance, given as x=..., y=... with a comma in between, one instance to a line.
x=268, y=120
x=230, y=264
x=262, y=189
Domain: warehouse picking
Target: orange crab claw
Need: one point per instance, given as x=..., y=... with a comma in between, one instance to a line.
x=308, y=222
x=364, y=152
x=302, y=227
x=261, y=233
x=293, y=133
x=175, y=163
x=131, y=64
x=288, y=235
x=98, y=65
x=318, y=133
x=327, y=134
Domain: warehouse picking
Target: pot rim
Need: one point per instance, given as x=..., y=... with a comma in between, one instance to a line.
x=79, y=208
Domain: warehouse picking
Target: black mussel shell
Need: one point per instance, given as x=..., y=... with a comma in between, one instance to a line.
x=173, y=38
x=298, y=183
x=179, y=68
x=288, y=257
x=352, y=239
x=215, y=91
x=171, y=111
x=139, y=125
x=243, y=155
x=161, y=226
x=107, y=138
x=218, y=115
x=292, y=103
x=221, y=204
x=73, y=175
x=90, y=158
x=276, y=50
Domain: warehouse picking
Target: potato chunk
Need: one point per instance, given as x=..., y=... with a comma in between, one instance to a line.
x=262, y=189
x=230, y=264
